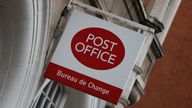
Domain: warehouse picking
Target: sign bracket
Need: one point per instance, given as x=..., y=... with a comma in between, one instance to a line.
x=110, y=15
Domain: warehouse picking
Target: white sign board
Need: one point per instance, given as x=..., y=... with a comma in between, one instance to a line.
x=95, y=56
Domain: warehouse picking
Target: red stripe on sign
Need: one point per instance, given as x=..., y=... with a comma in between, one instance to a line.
x=84, y=83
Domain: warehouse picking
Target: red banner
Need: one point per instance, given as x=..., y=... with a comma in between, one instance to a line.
x=83, y=83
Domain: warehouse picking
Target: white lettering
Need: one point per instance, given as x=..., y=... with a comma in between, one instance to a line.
x=87, y=49
x=93, y=51
x=113, y=44
x=66, y=76
x=90, y=37
x=103, y=55
x=102, y=58
x=100, y=40
x=105, y=46
x=111, y=58
x=81, y=45
x=103, y=91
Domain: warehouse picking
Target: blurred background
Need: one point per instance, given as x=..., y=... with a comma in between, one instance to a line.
x=170, y=82
x=31, y=29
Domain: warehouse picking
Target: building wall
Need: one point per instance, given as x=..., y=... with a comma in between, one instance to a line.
x=170, y=83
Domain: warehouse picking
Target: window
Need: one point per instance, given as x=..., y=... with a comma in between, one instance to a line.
x=50, y=95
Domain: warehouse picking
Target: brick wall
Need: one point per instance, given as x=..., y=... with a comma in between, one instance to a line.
x=170, y=82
